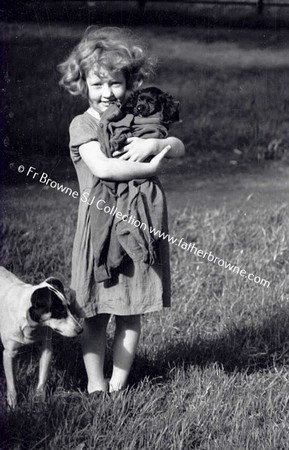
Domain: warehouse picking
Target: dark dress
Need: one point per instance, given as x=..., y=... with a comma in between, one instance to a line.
x=137, y=288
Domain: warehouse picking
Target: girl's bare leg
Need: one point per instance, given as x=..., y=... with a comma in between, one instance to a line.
x=127, y=333
x=93, y=348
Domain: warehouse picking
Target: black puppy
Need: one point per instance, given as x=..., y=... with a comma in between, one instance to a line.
x=147, y=113
x=152, y=101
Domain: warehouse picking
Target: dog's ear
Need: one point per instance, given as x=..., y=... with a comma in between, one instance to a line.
x=170, y=108
x=131, y=102
x=40, y=300
x=56, y=284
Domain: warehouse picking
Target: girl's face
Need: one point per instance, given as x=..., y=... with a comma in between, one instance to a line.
x=105, y=88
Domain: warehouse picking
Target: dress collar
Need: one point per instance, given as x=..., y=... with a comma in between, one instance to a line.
x=93, y=113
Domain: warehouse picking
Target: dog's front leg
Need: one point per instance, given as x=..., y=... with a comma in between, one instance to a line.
x=8, y=357
x=44, y=363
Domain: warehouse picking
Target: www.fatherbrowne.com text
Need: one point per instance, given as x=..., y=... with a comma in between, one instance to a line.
x=187, y=246
x=100, y=204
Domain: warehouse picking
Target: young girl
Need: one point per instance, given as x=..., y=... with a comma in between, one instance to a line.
x=105, y=67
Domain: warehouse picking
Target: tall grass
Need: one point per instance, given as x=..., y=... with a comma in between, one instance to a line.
x=210, y=373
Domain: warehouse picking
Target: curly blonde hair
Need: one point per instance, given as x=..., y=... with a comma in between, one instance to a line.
x=109, y=48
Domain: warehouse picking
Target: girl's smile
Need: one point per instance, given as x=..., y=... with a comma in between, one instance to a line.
x=105, y=88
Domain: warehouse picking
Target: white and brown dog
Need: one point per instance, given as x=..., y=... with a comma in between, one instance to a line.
x=28, y=314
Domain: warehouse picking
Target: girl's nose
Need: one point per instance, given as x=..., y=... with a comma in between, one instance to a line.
x=106, y=90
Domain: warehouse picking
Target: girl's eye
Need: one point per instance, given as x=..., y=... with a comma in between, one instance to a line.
x=116, y=84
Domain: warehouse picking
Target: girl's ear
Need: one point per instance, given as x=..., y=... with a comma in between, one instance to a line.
x=137, y=84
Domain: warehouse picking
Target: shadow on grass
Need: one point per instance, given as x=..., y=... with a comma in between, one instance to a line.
x=240, y=349
x=243, y=349
x=128, y=14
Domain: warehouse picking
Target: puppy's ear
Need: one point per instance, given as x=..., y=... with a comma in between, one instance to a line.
x=131, y=102
x=170, y=108
x=56, y=284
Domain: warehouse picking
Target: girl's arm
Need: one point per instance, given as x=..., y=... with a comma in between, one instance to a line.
x=177, y=147
x=117, y=170
x=138, y=149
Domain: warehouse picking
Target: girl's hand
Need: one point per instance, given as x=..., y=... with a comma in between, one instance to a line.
x=157, y=163
x=138, y=149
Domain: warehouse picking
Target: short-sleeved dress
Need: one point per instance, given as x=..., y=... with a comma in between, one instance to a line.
x=137, y=288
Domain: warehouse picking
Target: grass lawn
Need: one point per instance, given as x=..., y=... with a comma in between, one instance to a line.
x=211, y=372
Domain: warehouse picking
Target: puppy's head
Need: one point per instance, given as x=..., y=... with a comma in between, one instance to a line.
x=149, y=101
x=50, y=308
